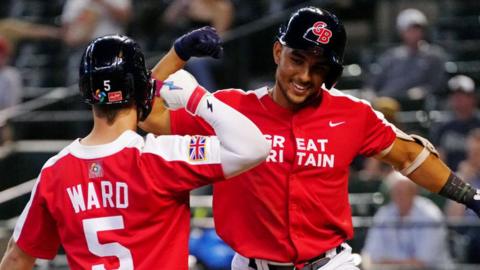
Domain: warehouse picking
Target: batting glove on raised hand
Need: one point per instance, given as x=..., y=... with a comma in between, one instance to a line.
x=181, y=90
x=200, y=42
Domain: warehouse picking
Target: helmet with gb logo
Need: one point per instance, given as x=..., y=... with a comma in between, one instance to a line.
x=320, y=32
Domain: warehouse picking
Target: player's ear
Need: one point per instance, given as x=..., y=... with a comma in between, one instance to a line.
x=277, y=51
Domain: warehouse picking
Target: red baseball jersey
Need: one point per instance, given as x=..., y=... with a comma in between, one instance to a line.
x=294, y=206
x=122, y=205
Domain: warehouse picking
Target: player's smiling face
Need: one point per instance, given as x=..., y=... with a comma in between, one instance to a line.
x=299, y=76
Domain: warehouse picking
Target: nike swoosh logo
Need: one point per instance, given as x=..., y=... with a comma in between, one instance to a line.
x=334, y=124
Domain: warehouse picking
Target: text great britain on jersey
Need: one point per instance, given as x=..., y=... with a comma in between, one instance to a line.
x=309, y=152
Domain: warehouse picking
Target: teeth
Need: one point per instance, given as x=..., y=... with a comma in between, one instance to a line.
x=299, y=86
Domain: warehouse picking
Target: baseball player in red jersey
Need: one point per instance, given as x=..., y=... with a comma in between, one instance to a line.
x=116, y=200
x=292, y=211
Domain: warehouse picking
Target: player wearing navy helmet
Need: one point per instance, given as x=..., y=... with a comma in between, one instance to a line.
x=292, y=211
x=116, y=200
x=319, y=32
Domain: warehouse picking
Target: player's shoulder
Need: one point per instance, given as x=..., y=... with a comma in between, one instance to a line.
x=232, y=95
x=341, y=98
x=77, y=151
x=52, y=161
x=237, y=92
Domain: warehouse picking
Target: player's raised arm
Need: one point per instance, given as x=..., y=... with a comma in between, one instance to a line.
x=200, y=42
x=416, y=158
x=243, y=145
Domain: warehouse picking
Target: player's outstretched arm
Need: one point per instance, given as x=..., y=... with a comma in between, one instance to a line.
x=16, y=259
x=200, y=42
x=426, y=169
x=242, y=145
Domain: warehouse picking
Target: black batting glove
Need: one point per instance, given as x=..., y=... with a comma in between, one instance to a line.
x=200, y=42
x=474, y=203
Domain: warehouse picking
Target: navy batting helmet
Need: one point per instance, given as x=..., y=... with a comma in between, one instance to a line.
x=112, y=71
x=319, y=31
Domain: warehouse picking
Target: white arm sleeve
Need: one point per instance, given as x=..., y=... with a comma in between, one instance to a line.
x=243, y=146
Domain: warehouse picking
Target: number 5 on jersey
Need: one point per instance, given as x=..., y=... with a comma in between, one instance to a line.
x=92, y=226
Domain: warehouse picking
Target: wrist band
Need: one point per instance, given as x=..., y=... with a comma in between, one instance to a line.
x=158, y=85
x=457, y=190
x=194, y=99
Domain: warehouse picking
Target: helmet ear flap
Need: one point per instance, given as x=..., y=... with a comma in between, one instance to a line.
x=130, y=85
x=145, y=108
x=85, y=82
x=145, y=96
x=333, y=75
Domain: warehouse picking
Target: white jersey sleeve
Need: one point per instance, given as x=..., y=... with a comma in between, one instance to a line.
x=242, y=144
x=182, y=163
x=194, y=150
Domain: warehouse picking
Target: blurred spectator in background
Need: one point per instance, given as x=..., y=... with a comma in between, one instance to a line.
x=409, y=232
x=192, y=14
x=413, y=70
x=469, y=170
x=449, y=137
x=371, y=168
x=182, y=15
x=10, y=87
x=390, y=108
x=85, y=20
x=81, y=22
x=10, y=80
x=16, y=30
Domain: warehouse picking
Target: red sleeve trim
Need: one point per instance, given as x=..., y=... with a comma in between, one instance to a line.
x=195, y=98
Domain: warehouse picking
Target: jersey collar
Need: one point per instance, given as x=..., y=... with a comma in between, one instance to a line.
x=128, y=138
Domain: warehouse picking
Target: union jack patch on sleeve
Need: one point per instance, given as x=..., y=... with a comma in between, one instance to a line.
x=196, y=148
